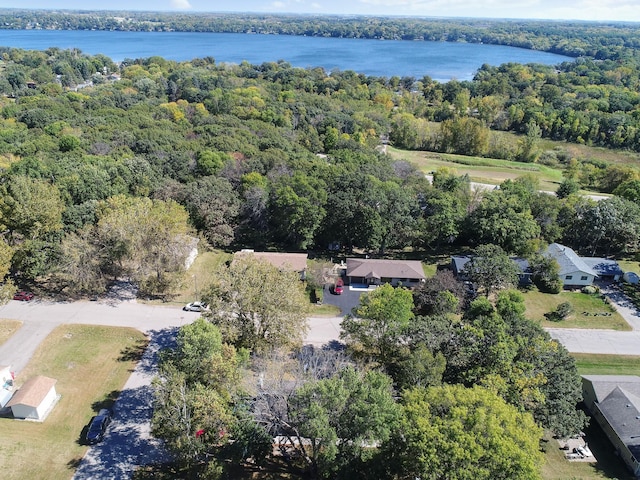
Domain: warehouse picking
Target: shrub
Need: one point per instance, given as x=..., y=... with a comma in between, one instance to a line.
x=590, y=290
x=561, y=312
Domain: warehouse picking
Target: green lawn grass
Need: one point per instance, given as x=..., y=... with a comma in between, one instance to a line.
x=91, y=365
x=607, y=466
x=538, y=304
x=324, y=310
x=495, y=171
x=8, y=328
x=595, y=364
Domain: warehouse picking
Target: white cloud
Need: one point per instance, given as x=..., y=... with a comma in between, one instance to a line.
x=181, y=4
x=278, y=5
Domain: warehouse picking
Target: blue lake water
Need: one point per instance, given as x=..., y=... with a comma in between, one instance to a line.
x=440, y=60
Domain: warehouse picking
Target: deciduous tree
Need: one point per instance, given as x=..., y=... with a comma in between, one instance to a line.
x=257, y=306
x=455, y=433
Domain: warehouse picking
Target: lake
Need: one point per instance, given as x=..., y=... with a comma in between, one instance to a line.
x=442, y=61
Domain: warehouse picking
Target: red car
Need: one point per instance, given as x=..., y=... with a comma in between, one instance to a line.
x=339, y=288
x=23, y=296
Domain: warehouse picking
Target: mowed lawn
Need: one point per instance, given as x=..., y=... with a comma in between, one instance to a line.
x=91, y=365
x=8, y=328
x=588, y=311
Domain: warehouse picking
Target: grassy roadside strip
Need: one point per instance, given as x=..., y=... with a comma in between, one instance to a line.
x=8, y=328
x=91, y=365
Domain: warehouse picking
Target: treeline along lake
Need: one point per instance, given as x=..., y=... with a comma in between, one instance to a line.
x=442, y=61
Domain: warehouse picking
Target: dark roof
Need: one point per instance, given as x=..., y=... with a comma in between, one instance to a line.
x=622, y=410
x=378, y=268
x=603, y=266
x=459, y=261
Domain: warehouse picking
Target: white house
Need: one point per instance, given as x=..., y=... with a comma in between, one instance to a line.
x=573, y=269
x=35, y=399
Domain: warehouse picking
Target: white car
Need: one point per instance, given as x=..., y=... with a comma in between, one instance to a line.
x=196, y=307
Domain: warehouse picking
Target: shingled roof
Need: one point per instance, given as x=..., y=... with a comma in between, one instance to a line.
x=379, y=268
x=294, y=262
x=32, y=392
x=568, y=260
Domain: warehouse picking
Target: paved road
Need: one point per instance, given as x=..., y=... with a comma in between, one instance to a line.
x=129, y=443
x=40, y=317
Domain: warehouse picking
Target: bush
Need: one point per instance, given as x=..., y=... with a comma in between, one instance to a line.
x=590, y=290
x=561, y=312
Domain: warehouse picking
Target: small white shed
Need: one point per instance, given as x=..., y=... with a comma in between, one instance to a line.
x=35, y=399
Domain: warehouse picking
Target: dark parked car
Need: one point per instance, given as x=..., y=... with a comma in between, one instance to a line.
x=23, y=296
x=98, y=426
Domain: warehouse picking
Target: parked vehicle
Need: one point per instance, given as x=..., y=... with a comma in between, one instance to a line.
x=23, y=296
x=339, y=287
x=98, y=426
x=196, y=307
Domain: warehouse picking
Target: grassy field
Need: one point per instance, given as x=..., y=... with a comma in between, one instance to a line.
x=593, y=364
x=8, y=328
x=540, y=303
x=484, y=170
x=91, y=365
x=494, y=171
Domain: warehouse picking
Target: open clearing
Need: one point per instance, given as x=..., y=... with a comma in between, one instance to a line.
x=91, y=365
x=8, y=328
x=495, y=171
x=588, y=311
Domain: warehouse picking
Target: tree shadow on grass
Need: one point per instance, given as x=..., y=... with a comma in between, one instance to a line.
x=133, y=353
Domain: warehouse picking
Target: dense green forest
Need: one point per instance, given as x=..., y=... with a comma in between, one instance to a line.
x=109, y=171
x=274, y=156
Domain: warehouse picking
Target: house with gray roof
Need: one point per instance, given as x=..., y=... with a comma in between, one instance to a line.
x=577, y=271
x=370, y=271
x=574, y=272
x=614, y=402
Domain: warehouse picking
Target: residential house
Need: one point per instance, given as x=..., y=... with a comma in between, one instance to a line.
x=458, y=263
x=370, y=271
x=288, y=262
x=614, y=402
x=35, y=399
x=576, y=271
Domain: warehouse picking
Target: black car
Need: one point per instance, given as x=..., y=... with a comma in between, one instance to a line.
x=98, y=426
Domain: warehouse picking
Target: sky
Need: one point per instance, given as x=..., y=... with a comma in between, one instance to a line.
x=598, y=10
